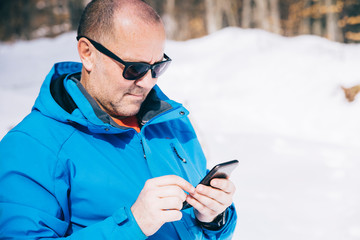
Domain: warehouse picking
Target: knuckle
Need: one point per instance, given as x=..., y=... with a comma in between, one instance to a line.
x=190, y=200
x=228, y=203
x=183, y=196
x=178, y=216
x=170, y=176
x=208, y=212
x=175, y=177
x=202, y=189
x=215, y=213
x=201, y=208
x=162, y=219
x=212, y=205
x=227, y=184
x=178, y=203
x=179, y=191
x=149, y=182
x=217, y=195
x=232, y=185
x=207, y=190
x=233, y=188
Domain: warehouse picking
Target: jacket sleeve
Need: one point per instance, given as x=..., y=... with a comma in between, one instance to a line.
x=33, y=197
x=226, y=232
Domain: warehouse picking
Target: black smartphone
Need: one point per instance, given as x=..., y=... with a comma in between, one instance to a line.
x=222, y=170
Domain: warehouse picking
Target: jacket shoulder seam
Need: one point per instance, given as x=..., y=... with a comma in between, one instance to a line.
x=33, y=138
x=58, y=158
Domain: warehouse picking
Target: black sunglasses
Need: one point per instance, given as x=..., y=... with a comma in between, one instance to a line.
x=133, y=70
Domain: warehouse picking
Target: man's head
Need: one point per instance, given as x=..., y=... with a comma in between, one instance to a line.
x=134, y=32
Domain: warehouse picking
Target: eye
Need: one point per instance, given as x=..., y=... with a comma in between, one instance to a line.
x=136, y=70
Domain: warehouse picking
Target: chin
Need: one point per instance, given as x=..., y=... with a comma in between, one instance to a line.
x=128, y=112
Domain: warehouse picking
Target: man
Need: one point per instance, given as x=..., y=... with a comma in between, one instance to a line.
x=104, y=154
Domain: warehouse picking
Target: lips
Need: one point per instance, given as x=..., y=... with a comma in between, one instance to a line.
x=138, y=93
x=136, y=96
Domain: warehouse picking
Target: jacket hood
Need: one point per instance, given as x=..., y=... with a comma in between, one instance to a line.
x=64, y=99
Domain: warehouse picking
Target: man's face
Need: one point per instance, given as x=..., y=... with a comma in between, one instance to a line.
x=134, y=41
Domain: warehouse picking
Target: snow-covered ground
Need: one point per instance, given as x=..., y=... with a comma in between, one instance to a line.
x=274, y=103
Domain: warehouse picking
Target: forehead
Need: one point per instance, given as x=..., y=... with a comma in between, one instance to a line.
x=137, y=40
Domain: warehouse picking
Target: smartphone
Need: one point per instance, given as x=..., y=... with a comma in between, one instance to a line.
x=222, y=170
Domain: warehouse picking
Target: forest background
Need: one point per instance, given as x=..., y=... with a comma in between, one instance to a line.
x=295, y=135
x=337, y=20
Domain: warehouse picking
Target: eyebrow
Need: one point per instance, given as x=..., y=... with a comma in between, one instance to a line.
x=112, y=55
x=139, y=61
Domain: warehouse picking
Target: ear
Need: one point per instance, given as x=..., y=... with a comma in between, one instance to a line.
x=86, y=53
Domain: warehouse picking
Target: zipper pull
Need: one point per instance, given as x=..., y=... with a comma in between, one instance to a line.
x=177, y=153
x=142, y=145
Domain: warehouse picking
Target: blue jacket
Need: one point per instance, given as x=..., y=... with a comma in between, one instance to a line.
x=68, y=170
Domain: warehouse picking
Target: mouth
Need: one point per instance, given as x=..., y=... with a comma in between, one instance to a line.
x=136, y=95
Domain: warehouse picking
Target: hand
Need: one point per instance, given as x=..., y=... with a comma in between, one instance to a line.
x=159, y=202
x=210, y=201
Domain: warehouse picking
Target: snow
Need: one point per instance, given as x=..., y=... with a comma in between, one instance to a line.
x=273, y=103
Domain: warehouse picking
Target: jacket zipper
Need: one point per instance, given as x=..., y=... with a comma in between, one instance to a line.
x=144, y=124
x=177, y=153
x=142, y=145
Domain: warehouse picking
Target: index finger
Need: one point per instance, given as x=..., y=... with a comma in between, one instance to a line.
x=175, y=180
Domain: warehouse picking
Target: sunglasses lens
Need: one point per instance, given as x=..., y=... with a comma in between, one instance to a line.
x=160, y=69
x=136, y=71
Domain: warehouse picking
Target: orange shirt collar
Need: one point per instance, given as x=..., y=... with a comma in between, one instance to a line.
x=130, y=122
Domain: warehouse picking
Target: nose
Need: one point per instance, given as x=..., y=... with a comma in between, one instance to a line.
x=147, y=81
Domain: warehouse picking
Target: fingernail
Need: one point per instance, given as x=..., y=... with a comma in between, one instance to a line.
x=199, y=188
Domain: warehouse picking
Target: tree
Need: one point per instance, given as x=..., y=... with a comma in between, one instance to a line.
x=261, y=14
x=275, y=18
x=246, y=14
x=338, y=20
x=220, y=14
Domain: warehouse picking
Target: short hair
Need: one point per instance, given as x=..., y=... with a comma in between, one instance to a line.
x=97, y=20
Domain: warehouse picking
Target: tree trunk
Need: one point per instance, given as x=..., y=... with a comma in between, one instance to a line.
x=305, y=24
x=169, y=19
x=332, y=28
x=317, y=28
x=229, y=11
x=262, y=15
x=246, y=14
x=212, y=16
x=275, y=17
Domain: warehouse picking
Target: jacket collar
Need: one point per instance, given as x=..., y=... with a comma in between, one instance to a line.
x=69, y=94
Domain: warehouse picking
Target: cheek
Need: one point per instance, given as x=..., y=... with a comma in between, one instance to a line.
x=107, y=66
x=109, y=76
x=102, y=85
